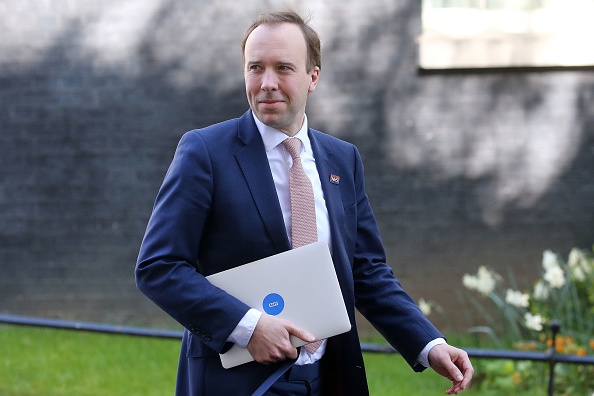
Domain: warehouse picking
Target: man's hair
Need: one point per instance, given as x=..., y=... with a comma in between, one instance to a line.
x=312, y=40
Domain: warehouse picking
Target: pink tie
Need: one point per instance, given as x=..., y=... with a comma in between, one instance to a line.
x=304, y=229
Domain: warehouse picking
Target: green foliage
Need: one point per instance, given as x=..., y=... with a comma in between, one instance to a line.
x=564, y=292
x=504, y=376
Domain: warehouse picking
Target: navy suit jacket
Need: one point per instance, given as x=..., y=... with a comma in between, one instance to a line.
x=218, y=209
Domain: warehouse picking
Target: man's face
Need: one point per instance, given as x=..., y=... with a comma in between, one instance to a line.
x=276, y=80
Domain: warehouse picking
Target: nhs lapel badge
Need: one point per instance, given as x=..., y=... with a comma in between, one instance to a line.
x=334, y=179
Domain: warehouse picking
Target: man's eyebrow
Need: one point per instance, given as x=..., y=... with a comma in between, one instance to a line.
x=287, y=63
x=278, y=63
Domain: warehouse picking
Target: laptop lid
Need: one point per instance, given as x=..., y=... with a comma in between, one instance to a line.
x=298, y=285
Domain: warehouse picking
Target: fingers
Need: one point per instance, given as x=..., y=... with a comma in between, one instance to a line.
x=271, y=343
x=454, y=364
x=459, y=386
x=454, y=373
x=467, y=371
x=300, y=333
x=461, y=372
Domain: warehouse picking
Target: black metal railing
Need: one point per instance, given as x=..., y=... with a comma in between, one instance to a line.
x=551, y=356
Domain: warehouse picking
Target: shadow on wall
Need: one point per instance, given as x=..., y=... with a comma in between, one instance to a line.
x=462, y=170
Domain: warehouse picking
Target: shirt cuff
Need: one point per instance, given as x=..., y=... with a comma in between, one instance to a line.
x=423, y=357
x=242, y=333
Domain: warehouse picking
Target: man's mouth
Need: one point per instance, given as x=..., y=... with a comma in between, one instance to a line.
x=270, y=104
x=270, y=101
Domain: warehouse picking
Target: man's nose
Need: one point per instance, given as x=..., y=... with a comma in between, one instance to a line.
x=269, y=81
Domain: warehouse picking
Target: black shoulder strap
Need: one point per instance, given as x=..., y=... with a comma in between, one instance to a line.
x=274, y=377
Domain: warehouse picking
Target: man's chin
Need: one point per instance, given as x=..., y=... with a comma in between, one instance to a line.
x=270, y=119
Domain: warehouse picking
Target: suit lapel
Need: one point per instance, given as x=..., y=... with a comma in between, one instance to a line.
x=256, y=170
x=327, y=170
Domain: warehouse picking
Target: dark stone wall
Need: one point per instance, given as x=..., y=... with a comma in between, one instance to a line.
x=463, y=169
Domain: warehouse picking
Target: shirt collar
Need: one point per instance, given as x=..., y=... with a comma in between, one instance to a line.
x=273, y=137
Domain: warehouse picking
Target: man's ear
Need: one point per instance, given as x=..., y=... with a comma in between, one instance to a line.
x=315, y=76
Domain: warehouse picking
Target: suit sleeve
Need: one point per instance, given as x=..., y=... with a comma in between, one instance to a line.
x=379, y=296
x=168, y=270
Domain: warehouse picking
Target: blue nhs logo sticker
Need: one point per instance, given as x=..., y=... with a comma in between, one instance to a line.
x=273, y=304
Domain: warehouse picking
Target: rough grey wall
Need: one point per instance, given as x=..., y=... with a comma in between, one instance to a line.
x=462, y=169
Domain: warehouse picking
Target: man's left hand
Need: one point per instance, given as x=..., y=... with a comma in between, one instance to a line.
x=452, y=363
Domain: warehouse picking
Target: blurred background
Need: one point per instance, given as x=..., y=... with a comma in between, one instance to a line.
x=475, y=120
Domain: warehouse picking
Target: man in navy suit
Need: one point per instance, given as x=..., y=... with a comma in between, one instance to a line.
x=225, y=202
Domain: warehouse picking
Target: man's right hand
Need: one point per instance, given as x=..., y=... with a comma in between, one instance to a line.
x=270, y=342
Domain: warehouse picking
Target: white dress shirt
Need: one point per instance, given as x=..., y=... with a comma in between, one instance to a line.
x=280, y=163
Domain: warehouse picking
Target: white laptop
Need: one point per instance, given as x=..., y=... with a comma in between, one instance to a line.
x=298, y=285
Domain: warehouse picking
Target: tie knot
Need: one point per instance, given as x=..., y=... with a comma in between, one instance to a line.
x=293, y=146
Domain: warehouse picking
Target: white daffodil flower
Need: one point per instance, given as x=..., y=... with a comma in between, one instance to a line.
x=517, y=298
x=533, y=322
